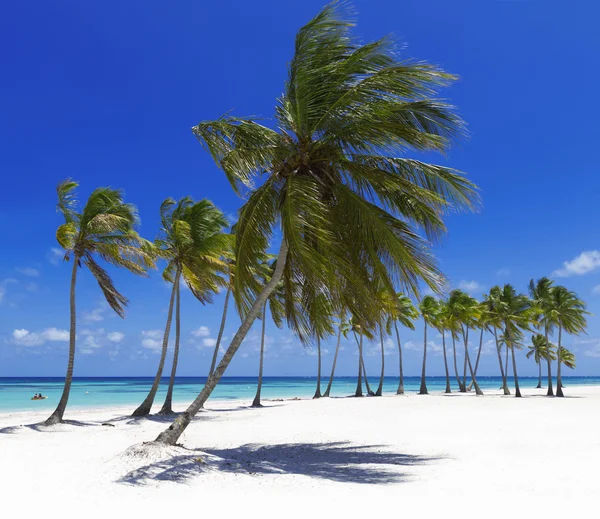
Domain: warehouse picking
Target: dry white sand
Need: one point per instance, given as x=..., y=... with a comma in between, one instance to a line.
x=457, y=455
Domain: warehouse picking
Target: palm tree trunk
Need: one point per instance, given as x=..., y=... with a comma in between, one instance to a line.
x=460, y=386
x=167, y=406
x=423, y=388
x=466, y=341
x=478, y=391
x=175, y=430
x=57, y=415
x=514, y=362
x=477, y=361
x=358, y=391
x=369, y=390
x=550, y=390
x=502, y=372
x=539, y=374
x=337, y=349
x=400, y=390
x=379, y=391
x=146, y=406
x=318, y=390
x=448, y=388
x=559, y=386
x=256, y=402
x=221, y=328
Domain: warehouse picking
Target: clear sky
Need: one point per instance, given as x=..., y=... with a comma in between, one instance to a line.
x=106, y=93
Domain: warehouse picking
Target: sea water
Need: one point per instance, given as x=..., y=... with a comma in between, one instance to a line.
x=16, y=393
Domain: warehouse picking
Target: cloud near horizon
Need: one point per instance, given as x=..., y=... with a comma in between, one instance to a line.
x=23, y=337
x=586, y=262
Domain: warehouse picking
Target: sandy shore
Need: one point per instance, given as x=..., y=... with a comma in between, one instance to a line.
x=453, y=455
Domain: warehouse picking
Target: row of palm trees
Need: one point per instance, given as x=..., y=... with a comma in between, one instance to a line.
x=356, y=216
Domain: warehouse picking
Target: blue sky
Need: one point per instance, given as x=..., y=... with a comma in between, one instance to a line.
x=106, y=93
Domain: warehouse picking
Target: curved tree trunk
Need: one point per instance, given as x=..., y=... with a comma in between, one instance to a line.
x=478, y=391
x=170, y=435
x=379, y=391
x=146, y=406
x=221, y=328
x=59, y=412
x=318, y=390
x=400, y=390
x=559, y=386
x=502, y=372
x=256, y=402
x=448, y=388
x=539, y=374
x=167, y=407
x=369, y=390
x=550, y=391
x=358, y=391
x=466, y=341
x=477, y=361
x=514, y=362
x=423, y=388
x=506, y=363
x=337, y=349
x=460, y=386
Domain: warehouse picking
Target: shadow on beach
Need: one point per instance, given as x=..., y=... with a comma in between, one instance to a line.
x=335, y=461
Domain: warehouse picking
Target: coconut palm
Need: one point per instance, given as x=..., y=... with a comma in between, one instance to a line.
x=516, y=313
x=334, y=176
x=540, y=292
x=567, y=358
x=568, y=313
x=541, y=350
x=428, y=307
x=493, y=321
x=193, y=243
x=442, y=323
x=343, y=328
x=481, y=323
x=404, y=313
x=104, y=229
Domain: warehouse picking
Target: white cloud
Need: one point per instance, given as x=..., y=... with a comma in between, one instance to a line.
x=24, y=337
x=95, y=315
x=209, y=342
x=503, y=272
x=115, y=337
x=469, y=286
x=28, y=271
x=596, y=289
x=203, y=331
x=55, y=256
x=152, y=339
x=587, y=261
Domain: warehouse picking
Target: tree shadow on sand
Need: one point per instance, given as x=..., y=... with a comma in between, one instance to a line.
x=41, y=427
x=335, y=461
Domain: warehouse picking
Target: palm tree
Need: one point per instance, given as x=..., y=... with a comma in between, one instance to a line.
x=405, y=313
x=331, y=176
x=540, y=292
x=429, y=308
x=493, y=321
x=567, y=312
x=481, y=323
x=540, y=349
x=192, y=241
x=516, y=313
x=442, y=323
x=103, y=229
x=567, y=358
x=343, y=328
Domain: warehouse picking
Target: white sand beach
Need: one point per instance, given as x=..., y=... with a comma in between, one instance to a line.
x=452, y=455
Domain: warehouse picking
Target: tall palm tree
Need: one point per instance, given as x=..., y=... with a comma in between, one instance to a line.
x=343, y=328
x=335, y=177
x=103, y=229
x=493, y=321
x=404, y=313
x=442, y=320
x=429, y=308
x=568, y=313
x=481, y=324
x=517, y=314
x=192, y=241
x=541, y=350
x=540, y=292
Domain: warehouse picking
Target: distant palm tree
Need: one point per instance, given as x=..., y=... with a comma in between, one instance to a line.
x=540, y=292
x=517, y=315
x=481, y=323
x=405, y=313
x=103, y=229
x=442, y=323
x=541, y=350
x=193, y=243
x=568, y=313
x=349, y=210
x=343, y=328
x=428, y=308
x=493, y=321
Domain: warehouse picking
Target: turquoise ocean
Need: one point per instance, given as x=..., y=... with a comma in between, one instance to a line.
x=16, y=393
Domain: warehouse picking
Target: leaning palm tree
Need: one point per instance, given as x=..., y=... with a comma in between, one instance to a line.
x=541, y=350
x=493, y=321
x=429, y=308
x=568, y=313
x=343, y=328
x=335, y=178
x=442, y=323
x=517, y=314
x=481, y=324
x=540, y=292
x=103, y=229
x=193, y=243
x=405, y=313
